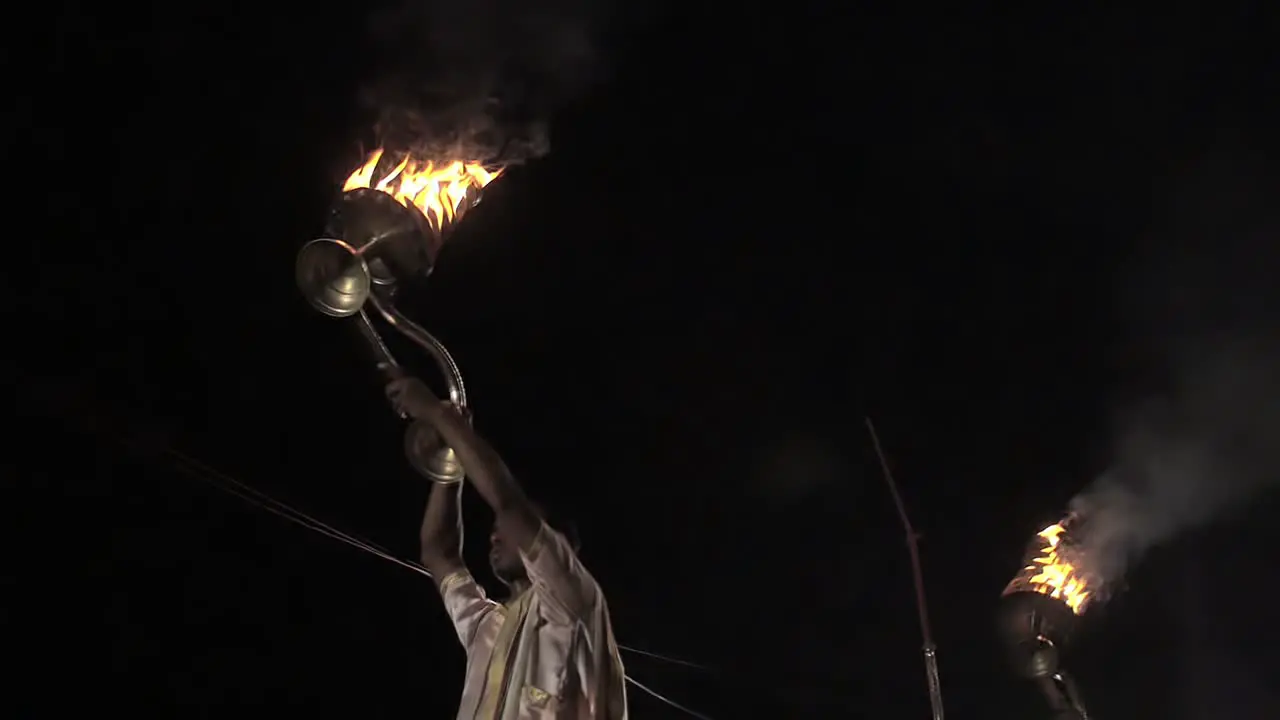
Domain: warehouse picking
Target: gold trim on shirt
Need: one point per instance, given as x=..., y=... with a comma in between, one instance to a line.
x=453, y=578
x=495, y=685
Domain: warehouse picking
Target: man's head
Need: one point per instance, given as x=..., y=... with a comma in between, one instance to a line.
x=504, y=553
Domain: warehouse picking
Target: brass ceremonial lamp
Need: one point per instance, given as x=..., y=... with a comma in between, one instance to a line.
x=1039, y=610
x=374, y=243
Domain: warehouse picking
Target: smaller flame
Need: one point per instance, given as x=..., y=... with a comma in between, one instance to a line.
x=442, y=192
x=1053, y=571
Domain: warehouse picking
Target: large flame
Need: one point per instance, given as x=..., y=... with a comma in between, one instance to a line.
x=1051, y=570
x=443, y=192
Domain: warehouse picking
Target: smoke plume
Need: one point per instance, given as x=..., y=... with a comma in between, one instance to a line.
x=1189, y=456
x=479, y=79
x=1210, y=441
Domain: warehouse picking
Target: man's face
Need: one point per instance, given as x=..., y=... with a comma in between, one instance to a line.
x=504, y=555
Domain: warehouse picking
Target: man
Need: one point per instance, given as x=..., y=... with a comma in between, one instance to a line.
x=548, y=651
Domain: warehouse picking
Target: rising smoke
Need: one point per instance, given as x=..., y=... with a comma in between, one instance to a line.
x=1210, y=441
x=478, y=80
x=1189, y=456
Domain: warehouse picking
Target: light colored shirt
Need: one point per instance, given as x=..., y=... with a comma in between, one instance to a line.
x=548, y=653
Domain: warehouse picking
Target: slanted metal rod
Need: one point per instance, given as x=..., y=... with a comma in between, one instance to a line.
x=930, y=650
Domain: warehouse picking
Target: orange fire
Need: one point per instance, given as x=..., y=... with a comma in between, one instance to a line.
x=1050, y=571
x=443, y=192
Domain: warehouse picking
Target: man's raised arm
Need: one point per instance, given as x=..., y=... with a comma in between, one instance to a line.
x=441, y=537
x=441, y=540
x=441, y=533
x=553, y=566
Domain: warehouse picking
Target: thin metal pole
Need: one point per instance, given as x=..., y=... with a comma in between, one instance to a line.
x=930, y=650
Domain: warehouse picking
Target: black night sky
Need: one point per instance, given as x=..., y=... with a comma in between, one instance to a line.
x=755, y=227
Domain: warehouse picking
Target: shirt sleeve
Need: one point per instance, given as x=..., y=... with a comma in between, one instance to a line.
x=466, y=604
x=567, y=590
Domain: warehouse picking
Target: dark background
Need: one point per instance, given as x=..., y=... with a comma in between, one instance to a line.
x=756, y=229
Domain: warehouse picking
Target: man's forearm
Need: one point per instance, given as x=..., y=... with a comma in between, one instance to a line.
x=484, y=467
x=441, y=533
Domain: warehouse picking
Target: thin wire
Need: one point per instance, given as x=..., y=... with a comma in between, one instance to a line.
x=667, y=700
x=666, y=658
x=275, y=507
x=266, y=502
x=205, y=472
x=256, y=497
